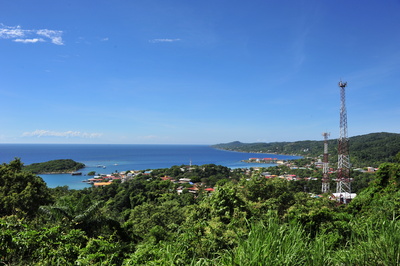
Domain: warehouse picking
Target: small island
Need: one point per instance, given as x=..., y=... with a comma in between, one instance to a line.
x=61, y=166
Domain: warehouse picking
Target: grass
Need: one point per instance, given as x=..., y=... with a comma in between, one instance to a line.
x=276, y=243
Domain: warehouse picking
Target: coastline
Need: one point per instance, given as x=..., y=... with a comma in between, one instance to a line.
x=260, y=152
x=119, y=158
x=55, y=173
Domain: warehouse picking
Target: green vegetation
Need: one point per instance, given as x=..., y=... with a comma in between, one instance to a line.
x=247, y=220
x=54, y=166
x=21, y=193
x=365, y=150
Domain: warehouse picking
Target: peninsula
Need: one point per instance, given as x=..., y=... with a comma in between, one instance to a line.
x=370, y=149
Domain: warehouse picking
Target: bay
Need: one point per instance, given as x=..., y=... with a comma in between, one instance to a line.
x=110, y=158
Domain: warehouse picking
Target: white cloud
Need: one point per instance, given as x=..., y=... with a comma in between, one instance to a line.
x=65, y=134
x=7, y=32
x=149, y=137
x=164, y=40
x=17, y=34
x=29, y=40
x=53, y=35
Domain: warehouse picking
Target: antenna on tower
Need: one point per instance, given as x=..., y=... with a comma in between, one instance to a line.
x=325, y=167
x=343, y=185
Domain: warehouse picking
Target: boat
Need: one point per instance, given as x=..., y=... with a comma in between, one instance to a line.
x=76, y=173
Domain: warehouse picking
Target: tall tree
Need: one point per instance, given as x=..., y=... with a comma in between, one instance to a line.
x=21, y=193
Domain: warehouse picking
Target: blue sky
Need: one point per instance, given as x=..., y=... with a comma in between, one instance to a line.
x=196, y=72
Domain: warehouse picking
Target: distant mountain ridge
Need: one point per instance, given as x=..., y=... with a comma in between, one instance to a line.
x=370, y=149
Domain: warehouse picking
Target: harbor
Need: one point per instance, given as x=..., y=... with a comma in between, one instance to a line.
x=263, y=160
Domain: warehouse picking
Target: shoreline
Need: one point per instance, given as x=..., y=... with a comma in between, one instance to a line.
x=260, y=152
x=56, y=172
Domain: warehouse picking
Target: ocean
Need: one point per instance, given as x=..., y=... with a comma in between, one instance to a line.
x=109, y=158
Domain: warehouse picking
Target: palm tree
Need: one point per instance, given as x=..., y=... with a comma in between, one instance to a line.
x=88, y=217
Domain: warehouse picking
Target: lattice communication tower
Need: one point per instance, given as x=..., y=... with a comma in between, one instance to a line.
x=343, y=185
x=325, y=165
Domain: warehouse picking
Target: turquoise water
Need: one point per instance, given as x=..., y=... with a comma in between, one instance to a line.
x=119, y=158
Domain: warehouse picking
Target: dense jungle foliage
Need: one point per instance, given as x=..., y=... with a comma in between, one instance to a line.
x=371, y=149
x=54, y=166
x=247, y=220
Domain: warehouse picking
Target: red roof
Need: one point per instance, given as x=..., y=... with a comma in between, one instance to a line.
x=102, y=184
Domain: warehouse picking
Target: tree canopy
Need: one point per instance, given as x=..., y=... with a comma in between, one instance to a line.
x=245, y=220
x=21, y=192
x=54, y=166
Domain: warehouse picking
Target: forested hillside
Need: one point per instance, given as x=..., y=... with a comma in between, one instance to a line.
x=365, y=150
x=245, y=219
x=54, y=166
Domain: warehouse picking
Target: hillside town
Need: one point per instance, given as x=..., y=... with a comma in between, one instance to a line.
x=293, y=172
